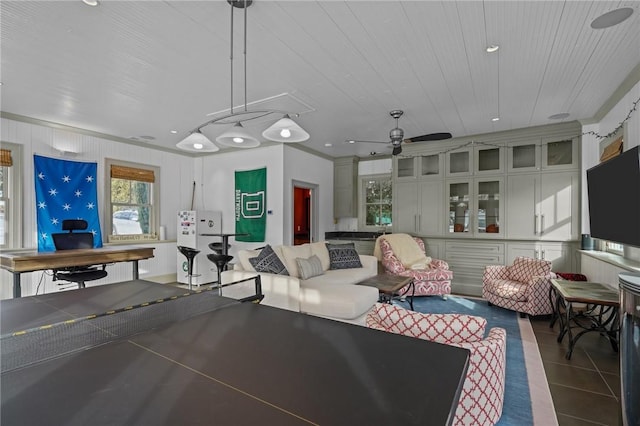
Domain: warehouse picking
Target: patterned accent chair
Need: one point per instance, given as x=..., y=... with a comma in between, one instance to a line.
x=434, y=281
x=482, y=393
x=522, y=287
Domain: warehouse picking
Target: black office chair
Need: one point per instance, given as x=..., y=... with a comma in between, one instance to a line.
x=71, y=241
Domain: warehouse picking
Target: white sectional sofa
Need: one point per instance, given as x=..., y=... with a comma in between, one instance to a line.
x=332, y=293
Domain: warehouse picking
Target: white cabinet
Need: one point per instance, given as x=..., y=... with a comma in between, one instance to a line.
x=467, y=259
x=560, y=254
x=345, y=187
x=543, y=206
x=476, y=160
x=417, y=207
x=543, y=154
x=475, y=207
x=424, y=166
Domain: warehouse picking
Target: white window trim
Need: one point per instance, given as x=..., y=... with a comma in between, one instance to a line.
x=362, y=203
x=14, y=234
x=155, y=202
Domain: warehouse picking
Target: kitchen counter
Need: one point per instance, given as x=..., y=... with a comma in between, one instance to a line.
x=352, y=235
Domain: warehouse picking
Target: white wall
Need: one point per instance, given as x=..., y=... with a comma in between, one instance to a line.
x=176, y=175
x=215, y=183
x=304, y=167
x=591, y=144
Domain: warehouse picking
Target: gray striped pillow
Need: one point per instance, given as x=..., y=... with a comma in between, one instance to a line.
x=310, y=267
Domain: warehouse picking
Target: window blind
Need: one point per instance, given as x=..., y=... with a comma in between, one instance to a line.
x=5, y=158
x=132, y=173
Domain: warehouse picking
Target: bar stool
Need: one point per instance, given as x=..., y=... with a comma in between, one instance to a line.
x=190, y=254
x=220, y=260
x=218, y=248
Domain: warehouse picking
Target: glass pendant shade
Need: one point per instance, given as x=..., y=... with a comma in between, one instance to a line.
x=285, y=130
x=197, y=142
x=238, y=137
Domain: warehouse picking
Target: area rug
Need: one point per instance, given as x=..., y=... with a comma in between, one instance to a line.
x=527, y=399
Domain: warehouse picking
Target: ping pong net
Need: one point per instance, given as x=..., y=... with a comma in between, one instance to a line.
x=27, y=347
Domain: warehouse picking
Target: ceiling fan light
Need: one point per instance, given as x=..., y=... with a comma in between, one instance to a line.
x=285, y=130
x=238, y=137
x=197, y=142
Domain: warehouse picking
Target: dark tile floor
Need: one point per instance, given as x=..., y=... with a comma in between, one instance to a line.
x=586, y=388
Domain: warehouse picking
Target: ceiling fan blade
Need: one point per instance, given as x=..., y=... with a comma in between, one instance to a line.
x=396, y=150
x=359, y=141
x=429, y=137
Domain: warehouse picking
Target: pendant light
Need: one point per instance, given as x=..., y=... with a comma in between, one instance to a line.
x=197, y=142
x=237, y=136
x=285, y=130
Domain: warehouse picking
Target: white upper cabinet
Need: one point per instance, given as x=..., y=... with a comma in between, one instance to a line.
x=478, y=160
x=543, y=154
x=425, y=166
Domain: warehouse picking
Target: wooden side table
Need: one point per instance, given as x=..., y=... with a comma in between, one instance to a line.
x=600, y=315
x=389, y=286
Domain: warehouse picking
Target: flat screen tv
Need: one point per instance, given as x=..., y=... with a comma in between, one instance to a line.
x=614, y=198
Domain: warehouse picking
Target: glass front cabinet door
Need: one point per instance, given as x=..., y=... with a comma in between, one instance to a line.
x=475, y=207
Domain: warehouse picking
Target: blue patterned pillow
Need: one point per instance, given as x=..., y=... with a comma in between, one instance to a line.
x=343, y=256
x=268, y=261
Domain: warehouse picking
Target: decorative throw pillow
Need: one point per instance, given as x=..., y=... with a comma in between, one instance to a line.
x=310, y=267
x=268, y=261
x=343, y=256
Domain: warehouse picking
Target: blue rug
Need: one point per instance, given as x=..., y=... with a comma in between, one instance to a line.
x=517, y=410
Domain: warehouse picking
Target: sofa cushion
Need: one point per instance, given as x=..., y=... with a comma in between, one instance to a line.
x=268, y=261
x=339, y=277
x=343, y=256
x=289, y=255
x=320, y=250
x=525, y=268
x=337, y=301
x=311, y=267
x=244, y=256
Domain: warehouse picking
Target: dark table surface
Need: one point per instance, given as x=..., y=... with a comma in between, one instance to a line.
x=239, y=364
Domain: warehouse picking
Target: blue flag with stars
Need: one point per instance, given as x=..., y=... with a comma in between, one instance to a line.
x=65, y=190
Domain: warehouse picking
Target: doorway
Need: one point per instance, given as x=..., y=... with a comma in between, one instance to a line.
x=304, y=213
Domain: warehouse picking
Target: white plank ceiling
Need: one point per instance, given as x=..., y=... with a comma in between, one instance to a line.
x=136, y=69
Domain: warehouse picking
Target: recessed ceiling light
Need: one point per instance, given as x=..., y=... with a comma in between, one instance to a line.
x=560, y=116
x=91, y=2
x=328, y=144
x=493, y=48
x=352, y=141
x=611, y=18
x=495, y=119
x=173, y=131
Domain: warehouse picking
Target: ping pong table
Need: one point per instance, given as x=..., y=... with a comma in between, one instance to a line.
x=237, y=364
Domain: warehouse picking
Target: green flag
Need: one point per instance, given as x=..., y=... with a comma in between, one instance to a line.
x=251, y=205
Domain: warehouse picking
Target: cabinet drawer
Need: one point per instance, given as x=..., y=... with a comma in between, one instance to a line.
x=471, y=248
x=462, y=260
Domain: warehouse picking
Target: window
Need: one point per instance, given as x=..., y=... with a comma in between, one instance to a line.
x=133, y=206
x=10, y=193
x=614, y=247
x=377, y=197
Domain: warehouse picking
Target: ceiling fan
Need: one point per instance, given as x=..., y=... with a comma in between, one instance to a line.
x=396, y=135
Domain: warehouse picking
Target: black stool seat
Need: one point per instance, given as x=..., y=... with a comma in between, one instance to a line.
x=218, y=247
x=220, y=260
x=190, y=254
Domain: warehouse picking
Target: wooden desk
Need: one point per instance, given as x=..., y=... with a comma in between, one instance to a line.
x=18, y=262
